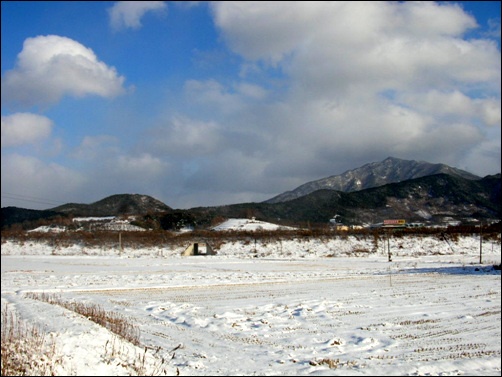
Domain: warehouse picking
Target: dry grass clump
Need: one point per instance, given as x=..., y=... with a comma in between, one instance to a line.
x=139, y=364
x=333, y=363
x=26, y=349
x=114, y=322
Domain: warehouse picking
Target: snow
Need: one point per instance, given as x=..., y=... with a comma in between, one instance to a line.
x=48, y=229
x=122, y=225
x=86, y=219
x=248, y=225
x=296, y=307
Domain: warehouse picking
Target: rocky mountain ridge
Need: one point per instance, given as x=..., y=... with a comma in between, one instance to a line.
x=375, y=174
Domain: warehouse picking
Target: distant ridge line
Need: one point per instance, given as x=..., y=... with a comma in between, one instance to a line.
x=374, y=174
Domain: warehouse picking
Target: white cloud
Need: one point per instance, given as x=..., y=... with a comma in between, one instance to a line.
x=332, y=47
x=128, y=172
x=365, y=80
x=29, y=176
x=96, y=147
x=24, y=128
x=102, y=159
x=271, y=30
x=182, y=136
x=481, y=158
x=144, y=166
x=251, y=90
x=455, y=105
x=494, y=28
x=213, y=94
x=490, y=110
x=128, y=14
x=265, y=30
x=51, y=66
x=429, y=18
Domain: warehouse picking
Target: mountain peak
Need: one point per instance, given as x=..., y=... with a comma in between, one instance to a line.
x=374, y=174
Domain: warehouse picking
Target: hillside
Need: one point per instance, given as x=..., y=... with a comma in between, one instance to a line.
x=15, y=215
x=390, y=170
x=430, y=199
x=111, y=206
x=115, y=205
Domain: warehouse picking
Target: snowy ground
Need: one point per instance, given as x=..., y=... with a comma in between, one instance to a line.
x=247, y=225
x=314, y=307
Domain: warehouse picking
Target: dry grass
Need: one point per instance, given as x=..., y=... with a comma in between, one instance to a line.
x=139, y=365
x=26, y=349
x=333, y=363
x=115, y=322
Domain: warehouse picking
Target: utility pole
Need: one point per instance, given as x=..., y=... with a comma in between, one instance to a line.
x=120, y=243
x=388, y=247
x=481, y=242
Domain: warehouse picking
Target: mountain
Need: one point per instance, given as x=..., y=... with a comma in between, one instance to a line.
x=374, y=174
x=115, y=205
x=430, y=199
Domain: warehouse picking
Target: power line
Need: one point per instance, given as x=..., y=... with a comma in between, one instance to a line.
x=31, y=199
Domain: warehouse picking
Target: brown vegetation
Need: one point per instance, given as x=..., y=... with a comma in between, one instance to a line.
x=26, y=349
x=168, y=239
x=114, y=322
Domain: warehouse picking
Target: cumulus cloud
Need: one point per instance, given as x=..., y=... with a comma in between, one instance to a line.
x=24, y=128
x=365, y=80
x=273, y=29
x=333, y=47
x=128, y=14
x=50, y=67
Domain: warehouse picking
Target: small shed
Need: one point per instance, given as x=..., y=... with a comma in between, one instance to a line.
x=198, y=248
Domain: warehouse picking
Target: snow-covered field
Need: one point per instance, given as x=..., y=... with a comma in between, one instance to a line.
x=298, y=307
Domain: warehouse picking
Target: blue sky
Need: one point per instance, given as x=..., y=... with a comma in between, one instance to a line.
x=212, y=103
